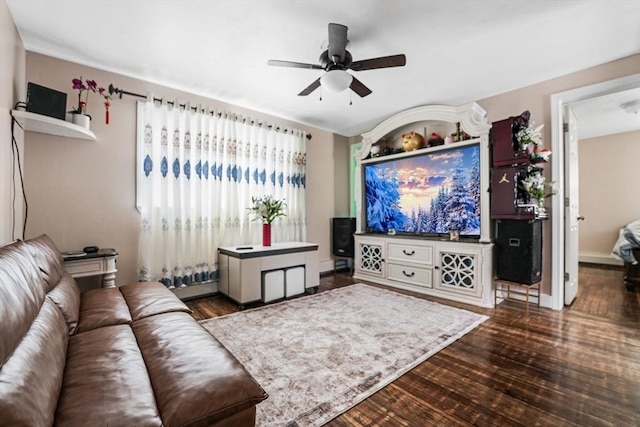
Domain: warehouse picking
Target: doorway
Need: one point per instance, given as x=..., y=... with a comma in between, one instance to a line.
x=561, y=168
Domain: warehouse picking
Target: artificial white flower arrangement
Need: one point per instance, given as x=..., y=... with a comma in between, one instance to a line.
x=535, y=185
x=529, y=137
x=267, y=208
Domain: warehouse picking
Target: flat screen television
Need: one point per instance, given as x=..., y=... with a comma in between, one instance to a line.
x=427, y=193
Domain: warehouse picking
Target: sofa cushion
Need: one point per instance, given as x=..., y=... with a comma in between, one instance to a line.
x=106, y=382
x=102, y=307
x=31, y=378
x=22, y=291
x=149, y=298
x=48, y=259
x=66, y=295
x=195, y=378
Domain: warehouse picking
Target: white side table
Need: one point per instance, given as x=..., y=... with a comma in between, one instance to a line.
x=246, y=270
x=101, y=263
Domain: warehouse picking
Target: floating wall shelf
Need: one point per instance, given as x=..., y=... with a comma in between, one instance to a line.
x=48, y=125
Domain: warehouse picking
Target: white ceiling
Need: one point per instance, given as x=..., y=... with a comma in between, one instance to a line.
x=457, y=51
x=608, y=114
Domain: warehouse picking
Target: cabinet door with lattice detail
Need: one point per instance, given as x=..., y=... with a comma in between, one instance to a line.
x=458, y=270
x=370, y=256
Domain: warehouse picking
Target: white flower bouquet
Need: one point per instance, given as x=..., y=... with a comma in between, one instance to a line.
x=267, y=208
x=529, y=136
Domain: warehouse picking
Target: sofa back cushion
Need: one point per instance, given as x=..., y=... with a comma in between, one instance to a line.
x=48, y=259
x=31, y=378
x=22, y=292
x=66, y=295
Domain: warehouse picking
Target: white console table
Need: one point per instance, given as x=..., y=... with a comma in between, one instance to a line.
x=243, y=269
x=101, y=263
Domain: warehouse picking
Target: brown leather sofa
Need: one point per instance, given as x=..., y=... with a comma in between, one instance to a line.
x=128, y=356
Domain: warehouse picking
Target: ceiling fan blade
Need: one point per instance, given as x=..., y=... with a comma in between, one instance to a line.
x=358, y=87
x=337, y=41
x=313, y=86
x=292, y=64
x=382, y=62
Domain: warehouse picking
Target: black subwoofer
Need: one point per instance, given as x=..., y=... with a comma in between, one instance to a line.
x=519, y=250
x=342, y=230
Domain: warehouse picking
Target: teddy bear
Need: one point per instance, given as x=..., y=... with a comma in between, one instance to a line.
x=412, y=141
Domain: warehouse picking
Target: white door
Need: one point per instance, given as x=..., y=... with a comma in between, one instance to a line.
x=571, y=215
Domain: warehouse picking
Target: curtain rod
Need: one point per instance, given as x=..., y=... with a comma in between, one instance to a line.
x=120, y=92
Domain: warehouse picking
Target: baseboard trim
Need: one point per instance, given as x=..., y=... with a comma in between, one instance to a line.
x=594, y=258
x=196, y=291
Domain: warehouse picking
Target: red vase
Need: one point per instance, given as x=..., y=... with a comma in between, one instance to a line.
x=266, y=234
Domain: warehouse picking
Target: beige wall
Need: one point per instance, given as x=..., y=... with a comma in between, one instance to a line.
x=609, y=185
x=341, y=176
x=83, y=193
x=12, y=90
x=537, y=99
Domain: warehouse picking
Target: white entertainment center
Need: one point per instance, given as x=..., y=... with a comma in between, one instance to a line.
x=456, y=270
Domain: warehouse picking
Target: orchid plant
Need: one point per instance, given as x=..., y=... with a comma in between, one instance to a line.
x=267, y=208
x=87, y=86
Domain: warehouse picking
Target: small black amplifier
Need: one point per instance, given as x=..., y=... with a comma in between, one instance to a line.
x=46, y=101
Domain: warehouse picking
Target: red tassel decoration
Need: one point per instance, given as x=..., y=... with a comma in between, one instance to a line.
x=106, y=106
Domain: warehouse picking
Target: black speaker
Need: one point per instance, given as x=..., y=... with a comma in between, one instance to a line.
x=342, y=236
x=46, y=101
x=519, y=251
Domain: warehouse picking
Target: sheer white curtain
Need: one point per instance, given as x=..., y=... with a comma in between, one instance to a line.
x=197, y=172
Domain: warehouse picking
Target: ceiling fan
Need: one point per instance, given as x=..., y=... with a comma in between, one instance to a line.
x=336, y=60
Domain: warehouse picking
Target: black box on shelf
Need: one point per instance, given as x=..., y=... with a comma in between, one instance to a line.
x=46, y=101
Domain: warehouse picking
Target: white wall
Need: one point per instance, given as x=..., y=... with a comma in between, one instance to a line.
x=12, y=89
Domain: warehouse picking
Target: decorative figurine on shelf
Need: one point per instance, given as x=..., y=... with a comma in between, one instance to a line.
x=412, y=141
x=518, y=125
x=540, y=154
x=435, y=140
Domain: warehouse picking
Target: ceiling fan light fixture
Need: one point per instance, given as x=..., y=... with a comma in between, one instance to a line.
x=336, y=80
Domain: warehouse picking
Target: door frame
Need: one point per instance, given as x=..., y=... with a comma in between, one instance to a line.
x=560, y=164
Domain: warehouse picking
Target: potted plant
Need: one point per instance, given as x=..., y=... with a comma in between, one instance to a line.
x=534, y=185
x=79, y=114
x=529, y=138
x=267, y=208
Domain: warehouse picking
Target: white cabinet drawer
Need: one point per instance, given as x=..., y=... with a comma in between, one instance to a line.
x=85, y=267
x=276, y=262
x=417, y=254
x=407, y=274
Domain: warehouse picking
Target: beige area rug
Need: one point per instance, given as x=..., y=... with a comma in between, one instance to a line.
x=319, y=355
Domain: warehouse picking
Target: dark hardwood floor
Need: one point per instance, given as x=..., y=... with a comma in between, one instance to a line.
x=575, y=367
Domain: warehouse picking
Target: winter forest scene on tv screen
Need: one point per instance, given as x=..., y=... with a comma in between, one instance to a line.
x=425, y=194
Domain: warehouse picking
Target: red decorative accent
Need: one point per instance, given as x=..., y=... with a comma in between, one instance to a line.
x=266, y=234
x=106, y=106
